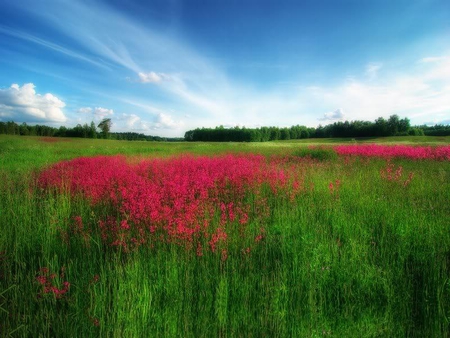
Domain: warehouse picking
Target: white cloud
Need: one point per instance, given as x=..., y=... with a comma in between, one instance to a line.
x=161, y=121
x=165, y=121
x=432, y=59
x=23, y=104
x=337, y=115
x=439, y=70
x=437, y=121
x=421, y=92
x=131, y=121
x=152, y=77
x=85, y=110
x=98, y=113
x=200, y=88
x=102, y=112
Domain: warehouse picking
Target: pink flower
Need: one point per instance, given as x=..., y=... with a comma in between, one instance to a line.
x=41, y=280
x=440, y=153
x=181, y=200
x=331, y=187
x=47, y=280
x=224, y=255
x=124, y=225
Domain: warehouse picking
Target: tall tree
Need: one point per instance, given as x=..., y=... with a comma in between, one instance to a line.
x=92, y=132
x=105, y=127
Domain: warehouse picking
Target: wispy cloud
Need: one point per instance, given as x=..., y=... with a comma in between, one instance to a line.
x=58, y=48
x=372, y=69
x=117, y=38
x=124, y=42
x=432, y=59
x=152, y=77
x=85, y=110
x=98, y=113
x=417, y=93
x=102, y=112
x=437, y=121
x=161, y=121
x=164, y=121
x=132, y=122
x=191, y=84
x=159, y=118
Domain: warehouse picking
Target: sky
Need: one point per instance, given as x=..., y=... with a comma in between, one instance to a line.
x=163, y=67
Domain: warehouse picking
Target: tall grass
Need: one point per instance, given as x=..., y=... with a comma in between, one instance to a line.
x=356, y=253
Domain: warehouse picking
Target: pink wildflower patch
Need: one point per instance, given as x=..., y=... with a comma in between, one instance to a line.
x=440, y=153
x=52, y=283
x=183, y=200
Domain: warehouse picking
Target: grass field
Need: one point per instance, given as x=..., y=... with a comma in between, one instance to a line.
x=221, y=240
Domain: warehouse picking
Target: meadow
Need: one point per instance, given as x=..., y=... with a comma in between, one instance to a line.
x=310, y=238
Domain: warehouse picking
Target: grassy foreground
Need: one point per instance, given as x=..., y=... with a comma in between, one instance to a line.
x=355, y=254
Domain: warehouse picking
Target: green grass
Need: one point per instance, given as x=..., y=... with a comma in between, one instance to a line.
x=372, y=260
x=24, y=153
x=414, y=140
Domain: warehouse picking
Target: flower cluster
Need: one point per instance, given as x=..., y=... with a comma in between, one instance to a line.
x=52, y=283
x=184, y=200
x=392, y=174
x=440, y=153
x=333, y=187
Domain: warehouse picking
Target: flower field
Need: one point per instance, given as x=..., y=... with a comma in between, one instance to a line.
x=440, y=153
x=345, y=240
x=189, y=201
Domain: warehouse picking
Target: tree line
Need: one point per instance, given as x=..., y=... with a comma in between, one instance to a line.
x=102, y=130
x=394, y=126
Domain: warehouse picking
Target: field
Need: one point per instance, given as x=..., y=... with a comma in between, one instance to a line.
x=105, y=238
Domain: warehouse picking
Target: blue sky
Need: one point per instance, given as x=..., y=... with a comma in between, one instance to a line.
x=163, y=67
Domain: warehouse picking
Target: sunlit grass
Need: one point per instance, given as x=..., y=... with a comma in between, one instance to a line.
x=355, y=254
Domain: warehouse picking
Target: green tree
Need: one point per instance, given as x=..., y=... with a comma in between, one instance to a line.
x=381, y=127
x=24, y=129
x=393, y=125
x=105, y=127
x=62, y=131
x=12, y=128
x=285, y=134
x=92, y=131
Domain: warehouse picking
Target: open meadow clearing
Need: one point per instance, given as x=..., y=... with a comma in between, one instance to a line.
x=343, y=238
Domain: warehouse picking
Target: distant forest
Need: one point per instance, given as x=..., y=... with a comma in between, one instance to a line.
x=82, y=131
x=394, y=126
